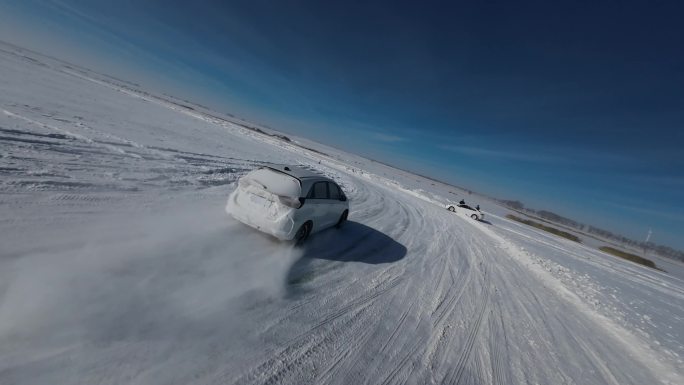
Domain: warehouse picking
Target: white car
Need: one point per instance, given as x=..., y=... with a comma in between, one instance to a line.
x=466, y=210
x=288, y=202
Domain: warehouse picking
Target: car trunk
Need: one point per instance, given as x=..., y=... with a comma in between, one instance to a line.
x=268, y=191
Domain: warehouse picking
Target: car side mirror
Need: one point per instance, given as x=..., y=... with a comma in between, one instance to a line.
x=301, y=201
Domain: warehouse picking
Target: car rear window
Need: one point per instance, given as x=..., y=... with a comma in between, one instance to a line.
x=275, y=182
x=334, y=191
x=319, y=191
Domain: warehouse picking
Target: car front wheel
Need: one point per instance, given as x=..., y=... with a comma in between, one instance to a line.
x=452, y=209
x=303, y=233
x=474, y=216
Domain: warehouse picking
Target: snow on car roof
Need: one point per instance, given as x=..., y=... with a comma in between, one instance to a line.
x=296, y=171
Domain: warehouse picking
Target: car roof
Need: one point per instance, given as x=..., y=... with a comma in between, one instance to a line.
x=298, y=172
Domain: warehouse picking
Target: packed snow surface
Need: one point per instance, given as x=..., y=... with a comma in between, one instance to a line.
x=118, y=264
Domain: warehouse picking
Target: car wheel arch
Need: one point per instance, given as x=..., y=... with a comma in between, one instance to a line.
x=343, y=218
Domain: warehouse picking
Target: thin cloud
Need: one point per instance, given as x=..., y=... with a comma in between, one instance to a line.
x=556, y=155
x=505, y=155
x=674, y=181
x=389, y=138
x=668, y=214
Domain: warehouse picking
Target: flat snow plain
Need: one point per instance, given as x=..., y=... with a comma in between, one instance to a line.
x=118, y=264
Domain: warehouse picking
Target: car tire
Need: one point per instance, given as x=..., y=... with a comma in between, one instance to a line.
x=303, y=233
x=474, y=216
x=452, y=209
x=343, y=219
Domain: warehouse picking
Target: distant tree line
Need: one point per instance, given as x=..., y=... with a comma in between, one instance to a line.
x=662, y=250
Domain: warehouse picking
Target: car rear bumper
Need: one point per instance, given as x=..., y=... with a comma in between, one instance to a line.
x=283, y=230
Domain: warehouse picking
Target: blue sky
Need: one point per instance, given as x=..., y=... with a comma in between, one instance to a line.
x=577, y=108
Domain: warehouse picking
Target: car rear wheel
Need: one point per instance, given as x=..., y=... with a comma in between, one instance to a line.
x=452, y=209
x=303, y=233
x=343, y=219
x=474, y=216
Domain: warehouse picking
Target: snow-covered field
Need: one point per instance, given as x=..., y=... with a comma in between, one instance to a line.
x=118, y=264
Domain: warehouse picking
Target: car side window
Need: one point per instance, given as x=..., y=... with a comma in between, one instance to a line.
x=319, y=191
x=334, y=191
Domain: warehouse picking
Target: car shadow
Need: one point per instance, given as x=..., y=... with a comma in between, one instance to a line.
x=485, y=221
x=354, y=242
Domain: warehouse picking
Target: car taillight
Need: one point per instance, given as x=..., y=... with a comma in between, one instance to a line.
x=295, y=203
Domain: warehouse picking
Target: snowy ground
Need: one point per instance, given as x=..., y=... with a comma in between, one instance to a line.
x=119, y=265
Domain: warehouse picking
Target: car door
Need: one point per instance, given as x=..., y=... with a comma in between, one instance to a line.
x=318, y=201
x=336, y=206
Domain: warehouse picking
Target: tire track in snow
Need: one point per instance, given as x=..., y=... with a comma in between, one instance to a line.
x=397, y=328
x=451, y=299
x=287, y=362
x=456, y=374
x=357, y=303
x=300, y=349
x=403, y=363
x=498, y=346
x=609, y=345
x=331, y=372
x=439, y=288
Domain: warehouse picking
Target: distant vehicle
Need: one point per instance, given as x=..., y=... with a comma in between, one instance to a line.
x=468, y=211
x=288, y=202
